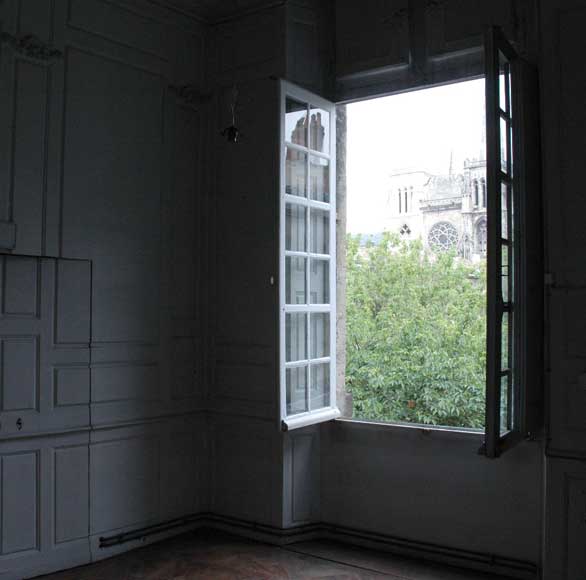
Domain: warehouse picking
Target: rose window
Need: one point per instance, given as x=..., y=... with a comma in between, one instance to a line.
x=442, y=237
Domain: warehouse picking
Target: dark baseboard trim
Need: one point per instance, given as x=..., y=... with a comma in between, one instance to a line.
x=286, y=536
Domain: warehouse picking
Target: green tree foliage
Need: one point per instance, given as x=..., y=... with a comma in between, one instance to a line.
x=416, y=342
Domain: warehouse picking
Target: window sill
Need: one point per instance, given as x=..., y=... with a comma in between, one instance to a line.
x=406, y=429
x=313, y=418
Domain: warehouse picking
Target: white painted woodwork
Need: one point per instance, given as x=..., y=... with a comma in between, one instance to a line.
x=103, y=160
x=102, y=204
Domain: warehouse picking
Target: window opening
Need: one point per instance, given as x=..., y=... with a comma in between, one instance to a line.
x=416, y=291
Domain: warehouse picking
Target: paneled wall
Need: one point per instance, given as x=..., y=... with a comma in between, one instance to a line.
x=252, y=472
x=564, y=123
x=244, y=435
x=103, y=366
x=388, y=46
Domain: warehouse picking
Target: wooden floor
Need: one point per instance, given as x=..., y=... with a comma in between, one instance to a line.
x=215, y=556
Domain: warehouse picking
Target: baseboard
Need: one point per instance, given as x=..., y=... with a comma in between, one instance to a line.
x=288, y=536
x=471, y=560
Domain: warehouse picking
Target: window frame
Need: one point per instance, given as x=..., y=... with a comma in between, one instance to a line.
x=497, y=439
x=309, y=417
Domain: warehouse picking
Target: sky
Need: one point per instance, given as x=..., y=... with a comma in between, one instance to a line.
x=415, y=130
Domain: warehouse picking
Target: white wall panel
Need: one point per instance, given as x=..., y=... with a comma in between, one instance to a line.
x=371, y=35
x=20, y=286
x=103, y=166
x=458, y=25
x=246, y=463
x=44, y=507
x=44, y=330
x=566, y=522
x=301, y=467
x=71, y=470
x=26, y=105
x=124, y=486
x=433, y=487
x=20, y=501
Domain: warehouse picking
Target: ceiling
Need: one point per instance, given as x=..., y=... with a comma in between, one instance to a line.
x=214, y=10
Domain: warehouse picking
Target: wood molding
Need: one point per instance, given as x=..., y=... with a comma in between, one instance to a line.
x=190, y=95
x=31, y=47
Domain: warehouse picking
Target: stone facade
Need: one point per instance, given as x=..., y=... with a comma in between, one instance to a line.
x=444, y=211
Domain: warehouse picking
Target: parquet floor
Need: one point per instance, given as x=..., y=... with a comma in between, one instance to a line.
x=209, y=555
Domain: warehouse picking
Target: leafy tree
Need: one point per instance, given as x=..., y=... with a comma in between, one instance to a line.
x=416, y=342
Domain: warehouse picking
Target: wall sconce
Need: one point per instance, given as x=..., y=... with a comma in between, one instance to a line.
x=232, y=133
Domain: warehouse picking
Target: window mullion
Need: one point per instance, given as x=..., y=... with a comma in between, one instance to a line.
x=308, y=266
x=494, y=269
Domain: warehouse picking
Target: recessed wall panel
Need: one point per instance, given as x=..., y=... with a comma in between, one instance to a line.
x=185, y=380
x=124, y=482
x=123, y=382
x=19, y=373
x=19, y=502
x=72, y=315
x=117, y=23
x=71, y=493
x=112, y=191
x=71, y=386
x=29, y=155
x=20, y=285
x=185, y=195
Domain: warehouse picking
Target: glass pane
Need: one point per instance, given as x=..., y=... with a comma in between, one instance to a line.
x=504, y=211
x=504, y=77
x=295, y=228
x=505, y=415
x=505, y=272
x=319, y=281
x=319, y=130
x=296, y=122
x=295, y=337
x=320, y=231
x=319, y=337
x=296, y=390
x=295, y=276
x=502, y=92
x=505, y=342
x=504, y=132
x=319, y=179
x=319, y=392
x=296, y=173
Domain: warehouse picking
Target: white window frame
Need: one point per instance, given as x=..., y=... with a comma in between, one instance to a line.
x=330, y=412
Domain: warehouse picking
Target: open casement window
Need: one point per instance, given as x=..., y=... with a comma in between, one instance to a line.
x=513, y=255
x=307, y=259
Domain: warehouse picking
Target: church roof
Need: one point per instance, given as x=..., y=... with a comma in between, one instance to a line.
x=444, y=186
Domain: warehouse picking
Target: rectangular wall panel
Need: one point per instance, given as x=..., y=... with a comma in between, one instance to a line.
x=124, y=483
x=126, y=381
x=29, y=156
x=20, y=501
x=305, y=476
x=119, y=24
x=72, y=304
x=576, y=532
x=112, y=190
x=185, y=381
x=20, y=286
x=71, y=493
x=71, y=386
x=20, y=373
x=185, y=195
x=181, y=461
